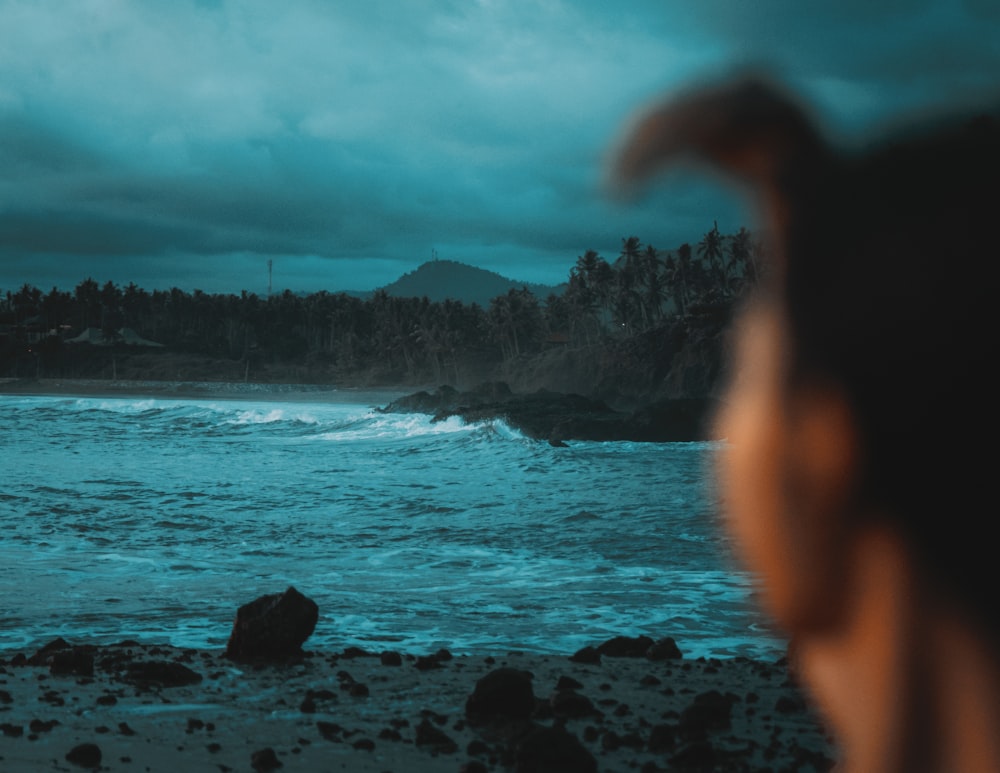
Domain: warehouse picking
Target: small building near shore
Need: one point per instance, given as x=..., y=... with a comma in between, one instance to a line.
x=97, y=337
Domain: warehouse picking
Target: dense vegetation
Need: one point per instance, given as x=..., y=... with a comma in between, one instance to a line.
x=338, y=338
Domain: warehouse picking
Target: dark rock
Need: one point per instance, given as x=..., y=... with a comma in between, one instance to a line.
x=364, y=744
x=697, y=756
x=664, y=649
x=553, y=750
x=430, y=736
x=568, y=683
x=391, y=658
x=11, y=731
x=76, y=661
x=557, y=416
x=331, y=731
x=272, y=627
x=662, y=738
x=503, y=693
x=443, y=398
x=40, y=726
x=439, y=719
x=571, y=704
x=611, y=741
x=5, y=697
x=43, y=655
x=588, y=655
x=790, y=704
x=160, y=673
x=672, y=420
x=86, y=755
x=709, y=711
x=626, y=647
x=264, y=760
x=53, y=698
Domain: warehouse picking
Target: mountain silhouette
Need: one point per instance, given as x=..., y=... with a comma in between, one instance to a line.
x=440, y=280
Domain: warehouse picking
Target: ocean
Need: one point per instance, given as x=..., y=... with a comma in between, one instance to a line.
x=154, y=519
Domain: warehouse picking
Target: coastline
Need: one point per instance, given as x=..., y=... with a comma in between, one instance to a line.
x=360, y=711
x=198, y=390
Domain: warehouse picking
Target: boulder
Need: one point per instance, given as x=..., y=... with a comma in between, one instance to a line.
x=86, y=755
x=160, y=673
x=709, y=711
x=626, y=647
x=504, y=693
x=272, y=627
x=43, y=656
x=553, y=750
x=664, y=649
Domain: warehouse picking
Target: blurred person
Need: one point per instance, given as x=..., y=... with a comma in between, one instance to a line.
x=858, y=476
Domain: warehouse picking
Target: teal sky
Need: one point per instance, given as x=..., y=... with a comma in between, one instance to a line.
x=186, y=143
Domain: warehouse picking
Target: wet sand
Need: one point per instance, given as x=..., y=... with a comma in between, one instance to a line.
x=198, y=711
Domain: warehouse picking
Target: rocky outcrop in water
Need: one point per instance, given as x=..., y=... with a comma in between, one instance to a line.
x=272, y=627
x=558, y=417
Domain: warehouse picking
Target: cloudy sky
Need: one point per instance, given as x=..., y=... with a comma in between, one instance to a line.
x=186, y=143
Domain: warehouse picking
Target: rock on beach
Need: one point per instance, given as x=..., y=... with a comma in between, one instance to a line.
x=273, y=627
x=631, y=703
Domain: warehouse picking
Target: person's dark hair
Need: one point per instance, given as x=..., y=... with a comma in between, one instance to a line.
x=887, y=259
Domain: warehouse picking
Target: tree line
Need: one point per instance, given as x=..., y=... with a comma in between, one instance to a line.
x=639, y=290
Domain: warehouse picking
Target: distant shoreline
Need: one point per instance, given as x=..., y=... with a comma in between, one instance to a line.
x=210, y=390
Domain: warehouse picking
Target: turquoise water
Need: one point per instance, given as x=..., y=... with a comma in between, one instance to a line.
x=154, y=519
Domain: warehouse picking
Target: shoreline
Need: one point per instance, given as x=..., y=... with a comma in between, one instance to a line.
x=359, y=711
x=199, y=390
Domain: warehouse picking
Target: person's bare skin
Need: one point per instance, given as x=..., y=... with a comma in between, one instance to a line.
x=904, y=675
x=903, y=681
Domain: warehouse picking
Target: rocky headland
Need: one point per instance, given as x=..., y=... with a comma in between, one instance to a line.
x=559, y=417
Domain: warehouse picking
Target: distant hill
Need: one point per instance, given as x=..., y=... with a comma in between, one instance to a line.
x=443, y=279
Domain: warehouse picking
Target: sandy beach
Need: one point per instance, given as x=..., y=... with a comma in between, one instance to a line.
x=79, y=707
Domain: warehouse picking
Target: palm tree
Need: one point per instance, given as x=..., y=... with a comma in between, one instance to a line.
x=627, y=296
x=739, y=267
x=88, y=301
x=517, y=322
x=682, y=278
x=710, y=251
x=653, y=288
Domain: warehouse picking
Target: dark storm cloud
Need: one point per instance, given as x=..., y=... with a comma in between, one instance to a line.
x=191, y=142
